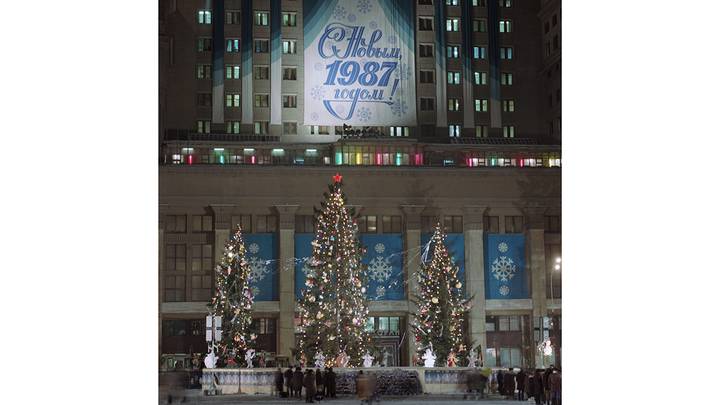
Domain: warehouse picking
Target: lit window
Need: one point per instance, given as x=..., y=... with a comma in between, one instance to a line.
x=506, y=79
x=289, y=101
x=506, y=52
x=451, y=2
x=480, y=78
x=232, y=45
x=232, y=100
x=289, y=19
x=453, y=104
x=399, y=131
x=203, y=71
x=233, y=127
x=505, y=26
x=481, y=131
x=262, y=18
x=454, y=130
x=506, y=3
x=204, y=17
x=509, y=131
x=453, y=51
x=232, y=71
x=319, y=130
x=481, y=105
x=480, y=3
x=289, y=46
x=508, y=105
x=452, y=24
x=453, y=77
x=261, y=127
x=479, y=52
x=203, y=126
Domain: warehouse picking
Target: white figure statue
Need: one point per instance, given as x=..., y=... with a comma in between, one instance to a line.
x=319, y=359
x=429, y=357
x=249, y=357
x=210, y=359
x=386, y=358
x=472, y=359
x=368, y=360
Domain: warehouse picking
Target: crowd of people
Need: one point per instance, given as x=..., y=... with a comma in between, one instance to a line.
x=318, y=384
x=543, y=386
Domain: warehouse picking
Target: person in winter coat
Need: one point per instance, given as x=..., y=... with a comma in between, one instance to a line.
x=538, y=389
x=330, y=383
x=297, y=381
x=288, y=381
x=546, y=383
x=279, y=382
x=319, y=383
x=509, y=383
x=309, y=383
x=555, y=386
x=521, y=384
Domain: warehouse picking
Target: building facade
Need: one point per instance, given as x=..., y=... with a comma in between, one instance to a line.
x=480, y=159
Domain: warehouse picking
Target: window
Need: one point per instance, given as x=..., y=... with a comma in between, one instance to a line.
x=399, y=131
x=479, y=25
x=506, y=3
x=509, y=323
x=426, y=50
x=232, y=100
x=204, y=17
x=453, y=77
x=552, y=224
x=289, y=46
x=451, y=2
x=367, y=223
x=427, y=223
x=204, y=99
x=262, y=100
x=261, y=127
x=203, y=126
x=289, y=101
x=203, y=71
x=233, y=127
x=454, y=130
x=245, y=222
x=453, y=104
x=232, y=45
x=554, y=20
x=289, y=19
x=425, y=23
x=427, y=76
x=319, y=130
x=262, y=18
x=261, y=72
x=304, y=223
x=505, y=26
x=289, y=73
x=202, y=223
x=480, y=78
x=427, y=104
x=481, y=131
x=392, y=224
x=491, y=224
x=510, y=356
x=232, y=71
x=506, y=52
x=266, y=223
x=175, y=257
x=506, y=79
x=509, y=131
x=452, y=24
x=175, y=223
x=174, y=288
x=481, y=105
x=202, y=258
x=453, y=51
x=479, y=52
x=425, y=2
x=453, y=224
x=263, y=326
x=514, y=224
x=290, y=128
x=232, y=17
x=478, y=3
x=508, y=105
x=204, y=44
x=262, y=45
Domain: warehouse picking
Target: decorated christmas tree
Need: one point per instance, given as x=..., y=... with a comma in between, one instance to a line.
x=441, y=306
x=233, y=301
x=333, y=307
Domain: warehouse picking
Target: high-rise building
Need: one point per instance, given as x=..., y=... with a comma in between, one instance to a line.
x=243, y=140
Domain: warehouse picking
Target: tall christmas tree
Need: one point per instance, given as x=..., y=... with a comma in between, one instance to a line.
x=233, y=301
x=333, y=307
x=441, y=306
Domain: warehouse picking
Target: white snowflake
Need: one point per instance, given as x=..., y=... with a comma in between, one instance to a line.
x=373, y=25
x=351, y=17
x=503, y=247
x=317, y=92
x=258, y=269
x=380, y=248
x=398, y=108
x=503, y=268
x=402, y=72
x=380, y=269
x=380, y=292
x=254, y=248
x=339, y=12
x=364, y=114
x=364, y=6
x=504, y=290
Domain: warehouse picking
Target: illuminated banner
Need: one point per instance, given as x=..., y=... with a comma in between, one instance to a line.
x=505, y=276
x=359, y=62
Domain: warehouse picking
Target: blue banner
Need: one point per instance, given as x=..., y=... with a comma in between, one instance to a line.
x=455, y=243
x=384, y=258
x=359, y=62
x=505, y=276
x=261, y=254
x=303, y=251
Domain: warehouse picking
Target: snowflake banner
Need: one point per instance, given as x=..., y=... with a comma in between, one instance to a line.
x=359, y=62
x=303, y=250
x=384, y=260
x=261, y=254
x=455, y=243
x=505, y=275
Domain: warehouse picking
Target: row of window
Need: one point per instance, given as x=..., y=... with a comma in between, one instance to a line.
x=204, y=223
x=233, y=72
x=425, y=23
x=455, y=130
x=261, y=18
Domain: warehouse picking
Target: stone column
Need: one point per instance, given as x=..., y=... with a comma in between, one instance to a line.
x=535, y=234
x=475, y=273
x=162, y=212
x=412, y=264
x=286, y=325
